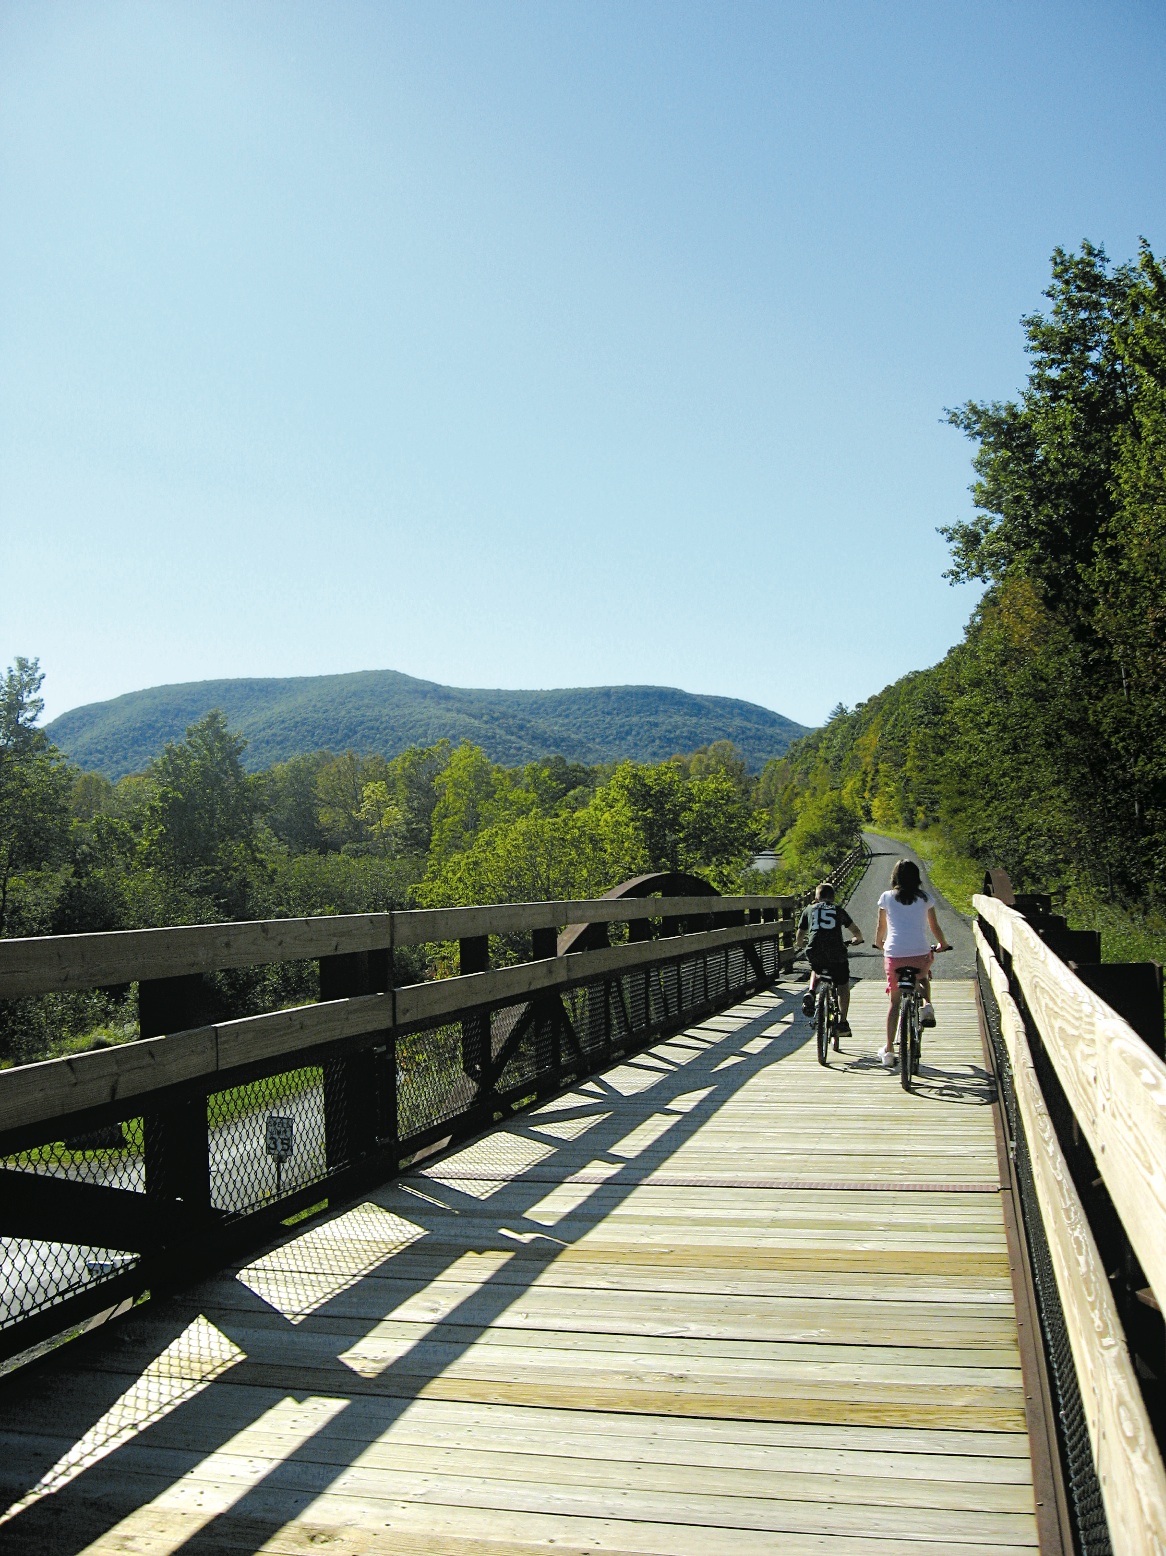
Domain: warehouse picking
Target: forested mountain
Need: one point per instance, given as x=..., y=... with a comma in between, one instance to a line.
x=384, y=713
x=1039, y=742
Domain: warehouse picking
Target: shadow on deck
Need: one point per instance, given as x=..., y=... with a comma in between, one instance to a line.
x=629, y=1320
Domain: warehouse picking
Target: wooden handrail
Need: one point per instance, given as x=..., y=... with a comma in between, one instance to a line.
x=54, y=963
x=1115, y=1084
x=33, y=1094
x=1129, y=1466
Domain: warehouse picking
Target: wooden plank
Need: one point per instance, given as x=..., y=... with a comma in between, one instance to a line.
x=1129, y=1467
x=424, y=926
x=55, y=1088
x=799, y=1478
x=420, y=1002
x=365, y=1484
x=1116, y=1085
x=357, y=1526
x=45, y=964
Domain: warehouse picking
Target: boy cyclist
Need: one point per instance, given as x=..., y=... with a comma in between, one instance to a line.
x=820, y=931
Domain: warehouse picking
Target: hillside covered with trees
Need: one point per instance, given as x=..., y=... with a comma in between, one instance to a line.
x=382, y=712
x=1039, y=742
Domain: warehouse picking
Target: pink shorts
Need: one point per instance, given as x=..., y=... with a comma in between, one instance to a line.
x=893, y=963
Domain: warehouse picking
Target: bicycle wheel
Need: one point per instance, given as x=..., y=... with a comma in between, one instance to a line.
x=906, y=1042
x=916, y=1040
x=822, y=1026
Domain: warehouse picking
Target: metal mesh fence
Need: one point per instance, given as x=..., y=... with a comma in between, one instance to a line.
x=110, y=1155
x=35, y=1275
x=1086, y=1509
x=437, y=1073
x=235, y=1152
x=266, y=1139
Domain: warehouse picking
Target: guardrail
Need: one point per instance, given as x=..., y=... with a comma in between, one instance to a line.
x=1086, y=1104
x=127, y=1167
x=843, y=877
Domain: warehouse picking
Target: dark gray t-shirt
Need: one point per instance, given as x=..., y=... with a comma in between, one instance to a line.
x=824, y=922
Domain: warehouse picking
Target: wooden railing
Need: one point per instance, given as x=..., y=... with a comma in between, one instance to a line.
x=1114, y=1086
x=127, y=1166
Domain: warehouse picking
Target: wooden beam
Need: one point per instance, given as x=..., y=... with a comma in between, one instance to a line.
x=1129, y=1467
x=64, y=1210
x=421, y=1002
x=57, y=1088
x=52, y=963
x=58, y=962
x=1115, y=1084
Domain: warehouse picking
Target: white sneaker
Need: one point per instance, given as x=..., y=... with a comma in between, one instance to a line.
x=927, y=1014
x=888, y=1059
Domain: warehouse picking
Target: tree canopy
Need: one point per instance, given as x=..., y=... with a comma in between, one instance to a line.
x=1039, y=742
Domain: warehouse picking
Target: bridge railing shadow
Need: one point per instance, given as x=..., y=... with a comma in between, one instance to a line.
x=194, y=1374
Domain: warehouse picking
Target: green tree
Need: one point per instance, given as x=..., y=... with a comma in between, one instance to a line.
x=826, y=830
x=293, y=802
x=35, y=788
x=718, y=826
x=340, y=790
x=200, y=826
x=721, y=756
x=643, y=814
x=531, y=858
x=472, y=795
x=414, y=777
x=382, y=818
x=1044, y=465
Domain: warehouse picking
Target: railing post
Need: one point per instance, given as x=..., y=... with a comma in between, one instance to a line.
x=175, y=1145
x=474, y=957
x=360, y=1087
x=544, y=943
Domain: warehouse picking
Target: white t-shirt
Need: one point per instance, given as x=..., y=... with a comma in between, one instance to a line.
x=907, y=932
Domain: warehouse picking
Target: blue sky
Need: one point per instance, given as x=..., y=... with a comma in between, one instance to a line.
x=529, y=344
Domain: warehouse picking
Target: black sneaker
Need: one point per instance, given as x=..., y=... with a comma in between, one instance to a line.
x=844, y=1029
x=807, y=1004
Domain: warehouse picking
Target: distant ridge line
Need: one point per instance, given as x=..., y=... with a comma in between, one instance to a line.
x=385, y=712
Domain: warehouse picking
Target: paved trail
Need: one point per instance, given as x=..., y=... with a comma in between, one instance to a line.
x=863, y=908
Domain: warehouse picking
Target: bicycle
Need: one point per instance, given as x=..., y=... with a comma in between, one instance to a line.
x=910, y=1029
x=827, y=1016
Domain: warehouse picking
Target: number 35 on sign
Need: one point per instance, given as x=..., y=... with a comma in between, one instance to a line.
x=279, y=1137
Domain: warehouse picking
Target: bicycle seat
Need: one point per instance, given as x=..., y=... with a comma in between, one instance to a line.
x=905, y=977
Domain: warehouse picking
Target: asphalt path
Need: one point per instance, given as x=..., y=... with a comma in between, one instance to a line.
x=862, y=905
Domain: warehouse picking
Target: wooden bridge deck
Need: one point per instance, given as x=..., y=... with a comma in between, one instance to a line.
x=719, y=1300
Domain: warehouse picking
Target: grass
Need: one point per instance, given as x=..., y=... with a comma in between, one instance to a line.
x=223, y=1106
x=1125, y=937
x=956, y=874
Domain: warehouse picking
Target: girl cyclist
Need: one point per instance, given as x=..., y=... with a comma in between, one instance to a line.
x=907, y=922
